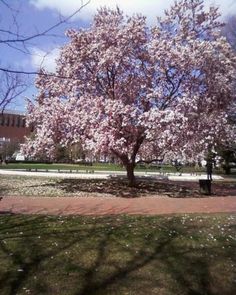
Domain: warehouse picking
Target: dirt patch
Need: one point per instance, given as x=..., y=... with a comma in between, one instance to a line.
x=149, y=187
x=115, y=187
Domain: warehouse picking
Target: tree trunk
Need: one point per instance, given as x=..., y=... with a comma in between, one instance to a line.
x=130, y=174
x=227, y=169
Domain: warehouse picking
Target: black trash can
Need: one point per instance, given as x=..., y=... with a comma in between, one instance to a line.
x=205, y=186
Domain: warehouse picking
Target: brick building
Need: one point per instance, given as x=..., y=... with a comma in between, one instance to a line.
x=12, y=126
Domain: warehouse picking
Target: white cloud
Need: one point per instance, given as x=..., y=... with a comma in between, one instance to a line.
x=226, y=6
x=44, y=59
x=150, y=8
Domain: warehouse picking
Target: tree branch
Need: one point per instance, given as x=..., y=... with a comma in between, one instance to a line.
x=21, y=39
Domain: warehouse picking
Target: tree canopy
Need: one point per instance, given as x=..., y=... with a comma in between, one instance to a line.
x=133, y=91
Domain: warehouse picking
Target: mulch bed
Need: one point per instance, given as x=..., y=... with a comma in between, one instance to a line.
x=120, y=188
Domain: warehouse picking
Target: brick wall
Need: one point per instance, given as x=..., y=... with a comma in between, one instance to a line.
x=12, y=126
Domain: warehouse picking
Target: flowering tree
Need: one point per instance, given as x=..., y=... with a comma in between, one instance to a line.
x=130, y=90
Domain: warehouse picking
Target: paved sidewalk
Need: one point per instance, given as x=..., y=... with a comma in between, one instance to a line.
x=107, y=174
x=110, y=206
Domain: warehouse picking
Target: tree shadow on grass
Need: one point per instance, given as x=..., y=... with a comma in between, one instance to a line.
x=33, y=240
x=161, y=263
x=95, y=256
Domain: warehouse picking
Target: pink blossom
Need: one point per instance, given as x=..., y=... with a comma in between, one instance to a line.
x=125, y=89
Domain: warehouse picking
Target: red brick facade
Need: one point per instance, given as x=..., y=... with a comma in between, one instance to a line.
x=12, y=126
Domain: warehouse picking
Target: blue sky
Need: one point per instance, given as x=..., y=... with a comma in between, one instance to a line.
x=37, y=15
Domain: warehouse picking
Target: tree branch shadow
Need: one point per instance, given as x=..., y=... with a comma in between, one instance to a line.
x=119, y=187
x=99, y=260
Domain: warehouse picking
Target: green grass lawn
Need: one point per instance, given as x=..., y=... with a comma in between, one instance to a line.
x=95, y=166
x=181, y=254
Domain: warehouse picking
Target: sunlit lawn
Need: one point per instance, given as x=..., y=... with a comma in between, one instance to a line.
x=95, y=166
x=187, y=254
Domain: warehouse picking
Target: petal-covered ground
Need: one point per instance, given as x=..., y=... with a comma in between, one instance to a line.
x=32, y=186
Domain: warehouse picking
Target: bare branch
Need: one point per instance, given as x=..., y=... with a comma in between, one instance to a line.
x=45, y=32
x=40, y=73
x=11, y=86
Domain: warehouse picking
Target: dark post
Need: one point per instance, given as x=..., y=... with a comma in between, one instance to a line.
x=205, y=186
x=209, y=167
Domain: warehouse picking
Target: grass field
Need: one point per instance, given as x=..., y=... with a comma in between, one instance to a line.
x=95, y=166
x=182, y=254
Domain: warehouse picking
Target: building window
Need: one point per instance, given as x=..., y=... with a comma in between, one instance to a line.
x=18, y=121
x=23, y=122
x=13, y=121
x=2, y=120
x=8, y=121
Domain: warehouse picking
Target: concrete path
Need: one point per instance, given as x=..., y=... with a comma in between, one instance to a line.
x=110, y=206
x=108, y=174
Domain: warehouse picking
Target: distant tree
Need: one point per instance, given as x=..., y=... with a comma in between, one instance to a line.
x=12, y=85
x=228, y=155
x=135, y=91
x=228, y=151
x=7, y=149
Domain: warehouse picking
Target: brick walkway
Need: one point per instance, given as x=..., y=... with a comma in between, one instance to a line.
x=109, y=206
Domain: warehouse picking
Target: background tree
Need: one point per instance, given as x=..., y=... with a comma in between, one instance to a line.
x=228, y=155
x=228, y=151
x=12, y=85
x=7, y=149
x=131, y=90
